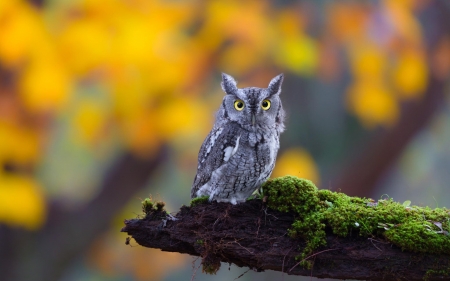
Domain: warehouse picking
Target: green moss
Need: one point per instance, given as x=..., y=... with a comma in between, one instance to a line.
x=412, y=228
x=211, y=268
x=415, y=236
x=436, y=273
x=210, y=264
x=291, y=194
x=160, y=205
x=147, y=206
x=199, y=200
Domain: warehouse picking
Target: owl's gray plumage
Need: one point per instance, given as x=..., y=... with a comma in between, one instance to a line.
x=239, y=153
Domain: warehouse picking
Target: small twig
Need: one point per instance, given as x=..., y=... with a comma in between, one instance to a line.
x=375, y=245
x=371, y=240
x=223, y=217
x=311, y=256
x=216, y=221
x=241, y=274
x=259, y=225
x=266, y=214
x=235, y=241
x=310, y=277
x=282, y=266
x=195, y=271
x=193, y=262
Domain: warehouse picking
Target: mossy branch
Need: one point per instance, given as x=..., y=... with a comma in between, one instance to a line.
x=300, y=230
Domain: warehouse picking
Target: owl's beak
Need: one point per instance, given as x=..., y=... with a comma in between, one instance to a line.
x=253, y=119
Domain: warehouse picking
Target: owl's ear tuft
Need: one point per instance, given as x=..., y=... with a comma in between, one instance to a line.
x=275, y=85
x=228, y=84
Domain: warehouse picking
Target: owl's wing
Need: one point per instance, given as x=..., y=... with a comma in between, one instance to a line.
x=216, y=150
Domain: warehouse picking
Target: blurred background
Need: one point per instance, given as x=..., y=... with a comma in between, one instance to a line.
x=106, y=102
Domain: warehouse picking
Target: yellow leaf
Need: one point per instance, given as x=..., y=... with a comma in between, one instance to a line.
x=130, y=92
x=368, y=61
x=298, y=53
x=297, y=162
x=347, y=20
x=240, y=20
x=135, y=40
x=148, y=35
x=19, y=145
x=373, y=103
x=22, y=202
x=45, y=85
x=180, y=117
x=6, y=5
x=20, y=25
x=410, y=74
x=89, y=121
x=140, y=132
x=85, y=45
x=240, y=58
x=290, y=22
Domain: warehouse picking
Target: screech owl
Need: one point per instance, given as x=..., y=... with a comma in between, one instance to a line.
x=239, y=153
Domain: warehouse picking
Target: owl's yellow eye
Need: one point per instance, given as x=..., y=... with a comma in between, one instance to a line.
x=265, y=104
x=239, y=105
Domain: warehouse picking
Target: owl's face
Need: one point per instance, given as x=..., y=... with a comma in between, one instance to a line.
x=253, y=107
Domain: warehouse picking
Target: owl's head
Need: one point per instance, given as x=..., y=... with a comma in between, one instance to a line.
x=253, y=108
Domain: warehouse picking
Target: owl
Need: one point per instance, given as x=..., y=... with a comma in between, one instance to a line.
x=239, y=153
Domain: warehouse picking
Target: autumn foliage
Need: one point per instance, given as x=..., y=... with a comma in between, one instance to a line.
x=82, y=81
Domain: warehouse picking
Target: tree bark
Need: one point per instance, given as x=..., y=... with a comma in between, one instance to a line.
x=251, y=235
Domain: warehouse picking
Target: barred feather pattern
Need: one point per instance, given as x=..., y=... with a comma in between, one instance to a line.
x=239, y=153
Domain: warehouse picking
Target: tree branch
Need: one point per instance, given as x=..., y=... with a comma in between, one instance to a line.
x=251, y=235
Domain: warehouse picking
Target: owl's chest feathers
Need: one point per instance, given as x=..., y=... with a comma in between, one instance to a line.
x=259, y=148
x=261, y=137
